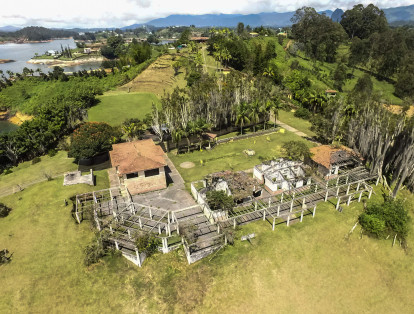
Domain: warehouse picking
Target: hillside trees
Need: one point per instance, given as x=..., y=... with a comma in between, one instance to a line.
x=319, y=35
x=362, y=21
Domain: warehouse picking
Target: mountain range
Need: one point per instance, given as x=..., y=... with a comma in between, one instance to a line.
x=396, y=16
x=274, y=19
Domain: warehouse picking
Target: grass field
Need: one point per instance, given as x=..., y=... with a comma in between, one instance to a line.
x=25, y=172
x=230, y=156
x=300, y=124
x=307, y=267
x=116, y=106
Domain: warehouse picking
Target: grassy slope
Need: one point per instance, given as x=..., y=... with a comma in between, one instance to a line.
x=306, y=267
x=230, y=156
x=25, y=172
x=298, y=123
x=115, y=107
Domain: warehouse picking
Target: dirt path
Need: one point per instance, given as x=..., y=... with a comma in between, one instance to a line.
x=288, y=44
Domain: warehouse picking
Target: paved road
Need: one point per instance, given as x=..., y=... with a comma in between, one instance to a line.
x=291, y=129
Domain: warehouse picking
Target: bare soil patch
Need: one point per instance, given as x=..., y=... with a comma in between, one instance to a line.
x=187, y=165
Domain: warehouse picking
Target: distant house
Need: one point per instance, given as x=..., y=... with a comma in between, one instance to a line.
x=52, y=53
x=281, y=174
x=329, y=160
x=331, y=93
x=282, y=34
x=253, y=34
x=140, y=165
x=199, y=39
x=87, y=50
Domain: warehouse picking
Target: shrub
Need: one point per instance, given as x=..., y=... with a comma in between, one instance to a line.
x=3, y=256
x=296, y=150
x=4, y=210
x=36, y=160
x=387, y=218
x=147, y=243
x=302, y=113
x=52, y=152
x=219, y=200
x=93, y=253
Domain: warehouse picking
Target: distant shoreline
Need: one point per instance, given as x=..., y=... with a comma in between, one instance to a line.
x=3, y=61
x=19, y=41
x=62, y=63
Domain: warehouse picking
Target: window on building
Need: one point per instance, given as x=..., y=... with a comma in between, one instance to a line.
x=132, y=175
x=152, y=172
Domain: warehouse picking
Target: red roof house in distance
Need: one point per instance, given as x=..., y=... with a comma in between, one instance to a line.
x=330, y=159
x=140, y=165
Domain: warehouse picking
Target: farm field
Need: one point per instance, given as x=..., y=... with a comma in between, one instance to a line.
x=116, y=106
x=307, y=267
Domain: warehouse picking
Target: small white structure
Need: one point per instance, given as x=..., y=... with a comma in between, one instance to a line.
x=281, y=174
x=52, y=53
x=87, y=50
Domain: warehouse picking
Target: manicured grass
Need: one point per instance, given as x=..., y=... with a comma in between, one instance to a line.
x=307, y=267
x=115, y=107
x=230, y=156
x=300, y=124
x=25, y=172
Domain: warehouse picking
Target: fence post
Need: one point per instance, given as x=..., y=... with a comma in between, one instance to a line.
x=314, y=211
x=326, y=195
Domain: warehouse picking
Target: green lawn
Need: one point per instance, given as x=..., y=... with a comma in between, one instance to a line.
x=300, y=124
x=115, y=107
x=25, y=172
x=230, y=156
x=307, y=267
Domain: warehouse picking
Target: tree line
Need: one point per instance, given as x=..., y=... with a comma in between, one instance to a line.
x=37, y=33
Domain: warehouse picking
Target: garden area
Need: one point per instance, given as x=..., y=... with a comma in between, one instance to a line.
x=231, y=156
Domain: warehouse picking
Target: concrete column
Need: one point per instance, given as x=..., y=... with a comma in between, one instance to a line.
x=349, y=200
x=326, y=195
x=116, y=245
x=278, y=210
x=327, y=184
x=110, y=229
x=178, y=229
x=225, y=240
x=138, y=258
x=169, y=230
x=303, y=202
x=337, y=191
x=359, y=198
x=140, y=222
x=281, y=197
x=359, y=184
x=338, y=202
x=291, y=205
x=255, y=205
x=159, y=229
x=337, y=181
x=346, y=180
x=129, y=233
x=164, y=245
x=273, y=226
x=378, y=179
x=264, y=215
x=270, y=200
x=347, y=190
x=370, y=193
x=288, y=220
x=301, y=215
x=314, y=211
x=150, y=212
x=234, y=223
x=316, y=188
x=218, y=228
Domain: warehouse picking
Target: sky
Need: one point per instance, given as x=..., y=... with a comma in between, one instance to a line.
x=118, y=13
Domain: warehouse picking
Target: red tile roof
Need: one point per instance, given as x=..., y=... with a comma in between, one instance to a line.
x=137, y=156
x=327, y=155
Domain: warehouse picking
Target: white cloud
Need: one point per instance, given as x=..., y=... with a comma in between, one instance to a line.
x=106, y=13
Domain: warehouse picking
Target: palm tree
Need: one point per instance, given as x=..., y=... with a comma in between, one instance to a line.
x=242, y=115
x=177, y=135
x=255, y=113
x=275, y=106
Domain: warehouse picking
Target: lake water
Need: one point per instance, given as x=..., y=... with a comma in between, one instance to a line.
x=6, y=126
x=21, y=53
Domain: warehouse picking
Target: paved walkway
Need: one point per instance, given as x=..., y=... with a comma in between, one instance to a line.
x=291, y=129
